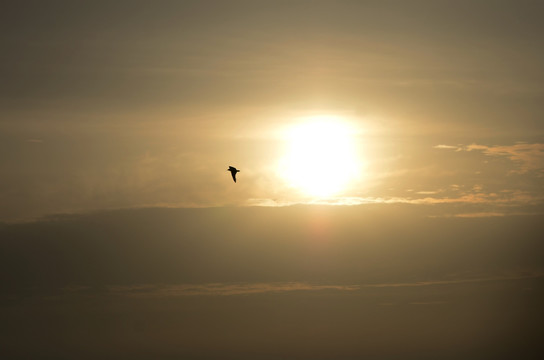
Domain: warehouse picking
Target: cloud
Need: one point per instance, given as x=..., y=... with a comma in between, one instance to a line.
x=442, y=146
x=532, y=275
x=222, y=289
x=476, y=196
x=234, y=289
x=528, y=157
x=479, y=214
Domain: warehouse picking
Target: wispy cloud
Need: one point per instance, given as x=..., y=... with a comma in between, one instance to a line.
x=476, y=196
x=234, y=289
x=528, y=157
x=480, y=214
x=442, y=146
x=222, y=289
x=459, y=281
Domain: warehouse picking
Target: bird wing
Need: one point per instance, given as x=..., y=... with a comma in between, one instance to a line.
x=231, y=168
x=233, y=175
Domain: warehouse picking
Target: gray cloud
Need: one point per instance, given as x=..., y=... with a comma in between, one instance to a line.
x=533, y=275
x=232, y=289
x=222, y=289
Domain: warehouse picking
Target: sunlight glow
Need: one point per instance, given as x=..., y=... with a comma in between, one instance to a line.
x=321, y=157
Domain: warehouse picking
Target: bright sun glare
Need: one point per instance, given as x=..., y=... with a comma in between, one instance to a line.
x=321, y=158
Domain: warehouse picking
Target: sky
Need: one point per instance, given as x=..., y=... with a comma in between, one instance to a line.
x=391, y=191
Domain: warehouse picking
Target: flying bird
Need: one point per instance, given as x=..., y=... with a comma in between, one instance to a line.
x=233, y=171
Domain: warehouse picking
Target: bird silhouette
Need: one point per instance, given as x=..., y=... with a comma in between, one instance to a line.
x=233, y=171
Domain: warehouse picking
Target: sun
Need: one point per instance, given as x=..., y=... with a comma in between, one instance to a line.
x=321, y=157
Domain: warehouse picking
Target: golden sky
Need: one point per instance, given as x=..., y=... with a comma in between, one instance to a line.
x=124, y=104
x=389, y=204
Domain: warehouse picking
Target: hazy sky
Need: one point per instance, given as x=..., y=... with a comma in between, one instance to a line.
x=123, y=235
x=132, y=103
x=300, y=282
